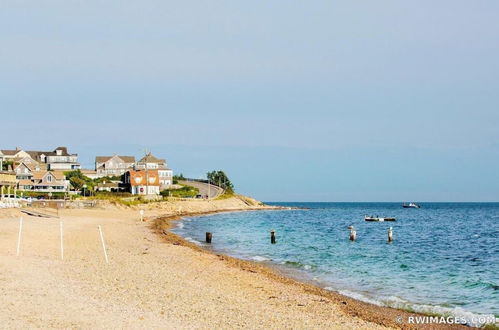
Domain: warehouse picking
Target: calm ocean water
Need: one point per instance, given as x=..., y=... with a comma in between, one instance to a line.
x=444, y=258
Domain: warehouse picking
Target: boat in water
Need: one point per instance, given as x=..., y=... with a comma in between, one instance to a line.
x=376, y=218
x=411, y=206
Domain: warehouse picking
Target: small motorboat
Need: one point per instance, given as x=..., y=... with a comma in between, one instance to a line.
x=411, y=206
x=376, y=218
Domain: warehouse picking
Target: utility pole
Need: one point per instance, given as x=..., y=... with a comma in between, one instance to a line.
x=147, y=173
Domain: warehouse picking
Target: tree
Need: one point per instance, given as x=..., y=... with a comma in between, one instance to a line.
x=107, y=179
x=77, y=180
x=77, y=183
x=6, y=165
x=177, y=178
x=219, y=178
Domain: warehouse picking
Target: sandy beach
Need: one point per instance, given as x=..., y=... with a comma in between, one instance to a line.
x=154, y=279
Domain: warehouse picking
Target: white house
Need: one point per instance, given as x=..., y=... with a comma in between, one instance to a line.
x=45, y=181
x=113, y=165
x=58, y=159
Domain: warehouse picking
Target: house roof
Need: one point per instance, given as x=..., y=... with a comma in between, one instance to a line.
x=150, y=158
x=39, y=175
x=35, y=154
x=108, y=185
x=31, y=166
x=8, y=173
x=84, y=171
x=126, y=159
x=24, y=159
x=25, y=182
x=9, y=152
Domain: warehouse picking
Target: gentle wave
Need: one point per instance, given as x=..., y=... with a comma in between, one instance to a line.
x=190, y=239
x=297, y=264
x=357, y=296
x=260, y=258
x=472, y=319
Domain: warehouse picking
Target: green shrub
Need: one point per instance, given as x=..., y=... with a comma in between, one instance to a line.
x=219, y=178
x=107, y=194
x=36, y=194
x=184, y=192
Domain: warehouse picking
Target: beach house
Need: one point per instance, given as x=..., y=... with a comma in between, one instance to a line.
x=151, y=162
x=110, y=186
x=113, y=165
x=24, y=170
x=32, y=175
x=9, y=155
x=143, y=182
x=8, y=158
x=45, y=181
x=58, y=159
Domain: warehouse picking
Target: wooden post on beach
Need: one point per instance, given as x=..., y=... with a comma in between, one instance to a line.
x=103, y=244
x=272, y=237
x=19, y=236
x=62, y=240
x=208, y=237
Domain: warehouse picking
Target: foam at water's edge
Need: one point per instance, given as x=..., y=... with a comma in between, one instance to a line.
x=472, y=319
x=192, y=240
x=357, y=296
x=259, y=258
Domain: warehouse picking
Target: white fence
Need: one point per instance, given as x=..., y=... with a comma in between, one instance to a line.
x=9, y=203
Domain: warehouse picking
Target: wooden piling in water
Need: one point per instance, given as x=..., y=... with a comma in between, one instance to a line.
x=272, y=237
x=353, y=233
x=208, y=237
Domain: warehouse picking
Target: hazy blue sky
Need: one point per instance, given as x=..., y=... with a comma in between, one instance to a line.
x=296, y=100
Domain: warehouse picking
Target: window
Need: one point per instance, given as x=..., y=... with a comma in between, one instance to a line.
x=49, y=178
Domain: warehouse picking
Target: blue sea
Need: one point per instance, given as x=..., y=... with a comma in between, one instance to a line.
x=444, y=258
